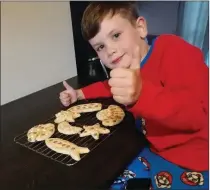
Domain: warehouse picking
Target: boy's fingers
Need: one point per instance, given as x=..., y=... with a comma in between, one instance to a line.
x=65, y=99
x=66, y=103
x=118, y=82
x=119, y=99
x=64, y=94
x=118, y=91
x=118, y=73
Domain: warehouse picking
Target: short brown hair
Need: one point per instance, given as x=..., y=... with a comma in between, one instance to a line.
x=97, y=11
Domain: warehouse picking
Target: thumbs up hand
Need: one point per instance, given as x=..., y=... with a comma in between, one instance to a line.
x=126, y=83
x=69, y=95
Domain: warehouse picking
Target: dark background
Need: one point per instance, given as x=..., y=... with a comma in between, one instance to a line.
x=162, y=17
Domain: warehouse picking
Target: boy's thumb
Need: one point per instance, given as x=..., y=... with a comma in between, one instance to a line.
x=67, y=86
x=136, y=59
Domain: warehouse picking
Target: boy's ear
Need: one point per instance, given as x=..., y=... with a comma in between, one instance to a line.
x=141, y=26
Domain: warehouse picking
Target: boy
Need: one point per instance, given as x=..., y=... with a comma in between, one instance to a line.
x=165, y=84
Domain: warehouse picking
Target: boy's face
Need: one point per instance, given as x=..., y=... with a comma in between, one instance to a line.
x=116, y=40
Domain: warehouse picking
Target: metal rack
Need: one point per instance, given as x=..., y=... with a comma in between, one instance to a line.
x=85, y=119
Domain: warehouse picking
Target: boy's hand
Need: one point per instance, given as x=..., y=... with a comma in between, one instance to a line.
x=126, y=84
x=68, y=96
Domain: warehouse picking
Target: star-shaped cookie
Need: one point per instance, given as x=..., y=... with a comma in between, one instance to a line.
x=94, y=131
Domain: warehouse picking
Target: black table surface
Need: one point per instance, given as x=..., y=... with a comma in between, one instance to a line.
x=21, y=168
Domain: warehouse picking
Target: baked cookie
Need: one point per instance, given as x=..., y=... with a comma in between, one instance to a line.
x=111, y=116
x=103, y=114
x=94, y=131
x=65, y=147
x=66, y=116
x=84, y=108
x=41, y=132
x=67, y=129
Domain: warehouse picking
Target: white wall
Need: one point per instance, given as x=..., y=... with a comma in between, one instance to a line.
x=37, y=48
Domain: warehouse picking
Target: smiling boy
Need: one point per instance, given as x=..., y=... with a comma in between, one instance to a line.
x=166, y=84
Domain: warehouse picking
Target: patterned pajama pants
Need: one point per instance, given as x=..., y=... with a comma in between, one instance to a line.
x=163, y=174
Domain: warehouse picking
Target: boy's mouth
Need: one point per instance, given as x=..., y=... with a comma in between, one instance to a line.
x=117, y=60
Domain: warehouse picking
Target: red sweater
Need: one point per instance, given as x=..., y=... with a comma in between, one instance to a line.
x=173, y=101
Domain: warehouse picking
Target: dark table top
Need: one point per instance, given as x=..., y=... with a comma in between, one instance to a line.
x=21, y=168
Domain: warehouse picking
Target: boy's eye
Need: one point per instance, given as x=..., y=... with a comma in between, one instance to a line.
x=100, y=48
x=116, y=35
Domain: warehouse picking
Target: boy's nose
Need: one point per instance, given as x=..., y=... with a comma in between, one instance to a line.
x=111, y=51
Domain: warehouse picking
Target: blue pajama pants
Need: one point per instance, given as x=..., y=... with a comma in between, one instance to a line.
x=163, y=174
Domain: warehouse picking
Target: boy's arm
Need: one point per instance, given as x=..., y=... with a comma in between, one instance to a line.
x=96, y=90
x=181, y=102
